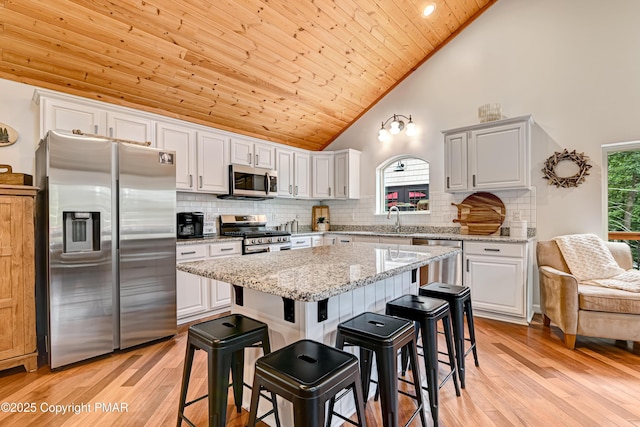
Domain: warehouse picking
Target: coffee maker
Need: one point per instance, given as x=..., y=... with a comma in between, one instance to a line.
x=190, y=225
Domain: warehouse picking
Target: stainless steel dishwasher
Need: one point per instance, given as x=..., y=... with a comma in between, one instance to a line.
x=448, y=270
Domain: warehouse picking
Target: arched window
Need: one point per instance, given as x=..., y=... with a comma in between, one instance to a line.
x=403, y=181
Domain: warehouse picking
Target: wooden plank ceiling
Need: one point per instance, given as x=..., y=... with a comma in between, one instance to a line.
x=297, y=72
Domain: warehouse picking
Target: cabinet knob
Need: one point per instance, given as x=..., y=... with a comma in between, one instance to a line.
x=249, y=158
x=290, y=189
x=190, y=181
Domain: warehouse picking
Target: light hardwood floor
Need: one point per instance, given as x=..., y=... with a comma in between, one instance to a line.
x=526, y=378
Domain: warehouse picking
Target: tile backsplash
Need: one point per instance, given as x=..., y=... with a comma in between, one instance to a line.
x=360, y=212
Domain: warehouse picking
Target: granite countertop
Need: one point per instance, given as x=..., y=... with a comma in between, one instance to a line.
x=418, y=235
x=318, y=273
x=216, y=238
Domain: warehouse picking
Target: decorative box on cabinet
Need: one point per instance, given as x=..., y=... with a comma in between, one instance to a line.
x=489, y=156
x=17, y=281
x=500, y=278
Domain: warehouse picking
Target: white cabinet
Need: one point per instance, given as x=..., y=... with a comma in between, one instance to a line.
x=252, y=153
x=66, y=113
x=323, y=178
x=300, y=242
x=336, y=239
x=59, y=114
x=366, y=239
x=198, y=296
x=317, y=241
x=499, y=276
x=347, y=174
x=293, y=173
x=130, y=127
x=182, y=140
x=489, y=156
x=212, y=152
x=202, y=158
x=191, y=290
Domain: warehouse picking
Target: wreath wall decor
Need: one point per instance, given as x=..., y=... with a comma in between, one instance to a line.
x=579, y=159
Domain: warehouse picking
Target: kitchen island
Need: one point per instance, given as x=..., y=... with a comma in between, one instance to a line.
x=306, y=293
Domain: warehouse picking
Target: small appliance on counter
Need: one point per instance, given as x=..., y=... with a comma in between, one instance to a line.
x=190, y=225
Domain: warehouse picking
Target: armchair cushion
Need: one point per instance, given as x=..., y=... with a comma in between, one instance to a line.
x=596, y=298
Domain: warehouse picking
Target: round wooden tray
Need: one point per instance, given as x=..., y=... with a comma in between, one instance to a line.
x=480, y=213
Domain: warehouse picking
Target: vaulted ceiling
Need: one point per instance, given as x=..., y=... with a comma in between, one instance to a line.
x=297, y=72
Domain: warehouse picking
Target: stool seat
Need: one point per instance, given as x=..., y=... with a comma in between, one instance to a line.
x=224, y=339
x=416, y=305
x=227, y=332
x=459, y=299
x=379, y=327
x=308, y=374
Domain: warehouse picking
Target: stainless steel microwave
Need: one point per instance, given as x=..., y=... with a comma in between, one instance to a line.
x=250, y=182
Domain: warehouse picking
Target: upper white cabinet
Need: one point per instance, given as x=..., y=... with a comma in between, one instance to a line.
x=202, y=158
x=323, y=178
x=182, y=140
x=293, y=173
x=133, y=128
x=347, y=174
x=489, y=156
x=252, y=153
x=61, y=112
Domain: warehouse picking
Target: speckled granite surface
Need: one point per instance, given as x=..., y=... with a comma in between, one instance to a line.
x=409, y=234
x=436, y=236
x=314, y=274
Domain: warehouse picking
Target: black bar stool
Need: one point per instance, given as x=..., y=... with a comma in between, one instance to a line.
x=459, y=299
x=427, y=312
x=382, y=336
x=224, y=340
x=307, y=373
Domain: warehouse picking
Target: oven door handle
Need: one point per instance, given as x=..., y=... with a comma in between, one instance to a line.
x=257, y=251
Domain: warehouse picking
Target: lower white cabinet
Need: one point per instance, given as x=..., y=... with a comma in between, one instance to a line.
x=499, y=275
x=300, y=242
x=199, y=296
x=317, y=241
x=334, y=239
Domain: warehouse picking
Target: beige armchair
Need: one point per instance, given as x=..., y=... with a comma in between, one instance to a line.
x=579, y=309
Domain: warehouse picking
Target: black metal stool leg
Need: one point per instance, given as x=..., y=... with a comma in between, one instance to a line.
x=413, y=356
x=457, y=315
x=446, y=322
x=219, y=368
x=237, y=377
x=430, y=350
x=186, y=374
x=472, y=333
x=386, y=359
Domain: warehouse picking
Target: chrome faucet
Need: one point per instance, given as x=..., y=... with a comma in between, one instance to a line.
x=391, y=209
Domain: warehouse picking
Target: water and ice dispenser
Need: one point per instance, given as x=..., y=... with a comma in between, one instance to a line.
x=81, y=232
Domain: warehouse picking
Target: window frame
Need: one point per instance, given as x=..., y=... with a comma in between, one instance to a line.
x=380, y=188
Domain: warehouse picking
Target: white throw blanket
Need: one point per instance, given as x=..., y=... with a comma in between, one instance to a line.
x=591, y=262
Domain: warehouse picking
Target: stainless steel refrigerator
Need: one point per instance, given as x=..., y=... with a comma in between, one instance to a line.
x=106, y=254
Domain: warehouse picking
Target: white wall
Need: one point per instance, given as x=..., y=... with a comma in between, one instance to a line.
x=572, y=64
x=17, y=111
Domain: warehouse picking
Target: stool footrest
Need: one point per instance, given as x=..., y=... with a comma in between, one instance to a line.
x=195, y=400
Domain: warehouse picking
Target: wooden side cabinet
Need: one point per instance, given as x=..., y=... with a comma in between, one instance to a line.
x=17, y=280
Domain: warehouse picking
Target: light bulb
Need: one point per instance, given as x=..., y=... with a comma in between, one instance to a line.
x=395, y=127
x=383, y=135
x=411, y=129
x=429, y=9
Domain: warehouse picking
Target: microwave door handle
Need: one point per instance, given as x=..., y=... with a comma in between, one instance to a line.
x=267, y=182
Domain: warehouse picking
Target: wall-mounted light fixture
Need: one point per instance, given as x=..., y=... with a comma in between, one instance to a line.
x=396, y=124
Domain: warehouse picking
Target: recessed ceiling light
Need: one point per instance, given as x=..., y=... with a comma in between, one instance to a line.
x=429, y=9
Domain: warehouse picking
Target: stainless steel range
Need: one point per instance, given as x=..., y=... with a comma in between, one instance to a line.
x=257, y=238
